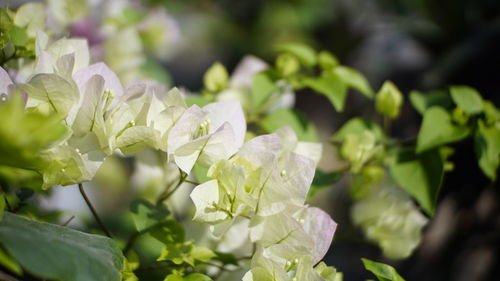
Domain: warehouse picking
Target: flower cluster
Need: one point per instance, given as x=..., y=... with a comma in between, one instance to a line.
x=104, y=117
x=266, y=182
x=391, y=219
x=263, y=181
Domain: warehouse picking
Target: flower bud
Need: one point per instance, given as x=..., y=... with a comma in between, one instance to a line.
x=389, y=100
x=460, y=116
x=216, y=78
x=327, y=60
x=287, y=64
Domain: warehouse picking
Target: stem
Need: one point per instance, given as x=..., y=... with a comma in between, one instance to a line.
x=68, y=221
x=191, y=182
x=131, y=241
x=96, y=216
x=164, y=197
x=387, y=126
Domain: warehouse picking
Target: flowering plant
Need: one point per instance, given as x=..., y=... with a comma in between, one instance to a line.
x=246, y=159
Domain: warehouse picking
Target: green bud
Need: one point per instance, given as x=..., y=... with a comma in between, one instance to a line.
x=460, y=116
x=373, y=173
x=287, y=64
x=216, y=78
x=327, y=60
x=389, y=100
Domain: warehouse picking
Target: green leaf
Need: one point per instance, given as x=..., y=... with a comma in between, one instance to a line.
x=130, y=264
x=175, y=254
x=323, y=180
x=31, y=17
x=327, y=60
x=383, y=272
x=60, y=253
x=332, y=87
x=146, y=215
x=437, y=129
x=8, y=262
x=173, y=277
x=354, y=79
x=304, y=53
x=18, y=36
x=487, y=146
x=23, y=135
x=420, y=175
x=304, y=129
x=21, y=177
x=5, y=20
x=357, y=126
x=202, y=253
x=467, y=98
x=197, y=277
x=169, y=232
x=421, y=102
x=491, y=112
x=226, y=258
x=326, y=178
x=263, y=87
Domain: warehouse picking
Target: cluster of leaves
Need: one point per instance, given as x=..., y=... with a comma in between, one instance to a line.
x=17, y=32
x=453, y=116
x=178, y=255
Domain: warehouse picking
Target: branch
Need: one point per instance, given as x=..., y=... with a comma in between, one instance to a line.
x=164, y=197
x=96, y=216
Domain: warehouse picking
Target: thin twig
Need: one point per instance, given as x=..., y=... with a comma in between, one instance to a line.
x=96, y=216
x=68, y=221
x=131, y=241
x=163, y=198
x=191, y=182
x=387, y=126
